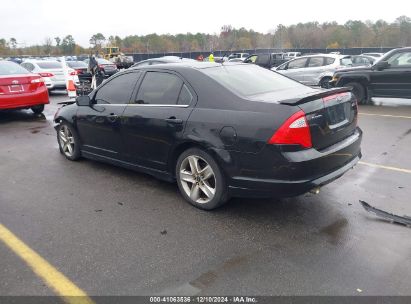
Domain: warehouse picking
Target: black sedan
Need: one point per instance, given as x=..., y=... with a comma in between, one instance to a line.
x=219, y=130
x=81, y=70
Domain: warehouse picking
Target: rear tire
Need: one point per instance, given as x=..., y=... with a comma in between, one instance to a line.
x=38, y=109
x=200, y=179
x=359, y=91
x=68, y=140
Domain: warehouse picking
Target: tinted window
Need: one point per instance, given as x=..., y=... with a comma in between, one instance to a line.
x=251, y=59
x=49, y=65
x=315, y=62
x=11, y=68
x=185, y=96
x=329, y=60
x=248, y=80
x=159, y=88
x=400, y=59
x=76, y=64
x=297, y=64
x=103, y=61
x=118, y=90
x=263, y=59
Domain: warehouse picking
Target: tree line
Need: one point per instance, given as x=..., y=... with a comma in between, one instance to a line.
x=309, y=35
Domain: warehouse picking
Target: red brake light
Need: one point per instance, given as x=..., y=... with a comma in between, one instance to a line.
x=294, y=131
x=73, y=73
x=45, y=74
x=101, y=66
x=37, y=80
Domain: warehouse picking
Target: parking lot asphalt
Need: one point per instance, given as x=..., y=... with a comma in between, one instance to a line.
x=112, y=231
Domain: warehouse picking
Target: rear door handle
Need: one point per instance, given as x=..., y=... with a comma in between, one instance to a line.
x=173, y=120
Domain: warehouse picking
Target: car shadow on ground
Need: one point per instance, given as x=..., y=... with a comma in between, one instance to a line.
x=7, y=116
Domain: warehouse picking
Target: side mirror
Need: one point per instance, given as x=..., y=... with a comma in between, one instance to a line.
x=83, y=101
x=382, y=65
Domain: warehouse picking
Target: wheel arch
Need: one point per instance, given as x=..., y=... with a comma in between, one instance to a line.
x=220, y=156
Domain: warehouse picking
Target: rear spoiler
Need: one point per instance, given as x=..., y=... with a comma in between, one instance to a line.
x=314, y=96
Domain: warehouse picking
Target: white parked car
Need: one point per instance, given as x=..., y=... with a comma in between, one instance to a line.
x=292, y=55
x=237, y=57
x=315, y=70
x=51, y=71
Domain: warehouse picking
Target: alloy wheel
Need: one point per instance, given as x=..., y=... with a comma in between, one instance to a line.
x=197, y=179
x=66, y=141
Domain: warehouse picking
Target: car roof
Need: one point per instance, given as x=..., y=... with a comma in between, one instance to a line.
x=198, y=65
x=336, y=56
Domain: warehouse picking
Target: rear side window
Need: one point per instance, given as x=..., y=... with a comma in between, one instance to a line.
x=297, y=64
x=185, y=97
x=118, y=90
x=329, y=60
x=315, y=62
x=159, y=88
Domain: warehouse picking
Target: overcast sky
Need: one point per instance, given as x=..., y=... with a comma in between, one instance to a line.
x=31, y=21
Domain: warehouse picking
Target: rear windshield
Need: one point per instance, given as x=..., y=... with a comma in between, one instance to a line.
x=76, y=64
x=11, y=68
x=346, y=61
x=49, y=65
x=249, y=80
x=103, y=61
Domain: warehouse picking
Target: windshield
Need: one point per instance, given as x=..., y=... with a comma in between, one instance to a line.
x=103, y=61
x=11, y=68
x=76, y=64
x=249, y=80
x=49, y=65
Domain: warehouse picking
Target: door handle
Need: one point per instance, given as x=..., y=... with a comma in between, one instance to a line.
x=173, y=120
x=112, y=118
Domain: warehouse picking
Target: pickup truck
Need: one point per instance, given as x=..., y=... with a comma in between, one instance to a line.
x=388, y=77
x=266, y=60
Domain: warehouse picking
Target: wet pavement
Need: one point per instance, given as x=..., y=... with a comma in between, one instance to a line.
x=112, y=231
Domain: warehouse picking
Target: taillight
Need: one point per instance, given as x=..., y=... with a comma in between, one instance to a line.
x=45, y=74
x=74, y=73
x=101, y=66
x=294, y=131
x=37, y=80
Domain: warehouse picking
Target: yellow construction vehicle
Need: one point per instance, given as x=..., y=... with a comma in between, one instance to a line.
x=113, y=54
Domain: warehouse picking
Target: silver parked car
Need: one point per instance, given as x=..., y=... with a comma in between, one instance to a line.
x=51, y=71
x=314, y=69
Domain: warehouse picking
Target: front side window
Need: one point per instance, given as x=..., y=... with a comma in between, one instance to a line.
x=118, y=90
x=400, y=59
x=159, y=88
x=297, y=64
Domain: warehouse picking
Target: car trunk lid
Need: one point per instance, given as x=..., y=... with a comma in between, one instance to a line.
x=18, y=84
x=331, y=116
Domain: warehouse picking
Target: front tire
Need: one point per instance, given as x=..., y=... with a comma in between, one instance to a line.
x=68, y=140
x=38, y=109
x=200, y=179
x=325, y=83
x=359, y=91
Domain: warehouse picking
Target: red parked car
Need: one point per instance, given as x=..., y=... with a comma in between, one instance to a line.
x=20, y=89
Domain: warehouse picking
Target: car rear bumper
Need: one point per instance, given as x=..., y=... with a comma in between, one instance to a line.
x=304, y=171
x=25, y=100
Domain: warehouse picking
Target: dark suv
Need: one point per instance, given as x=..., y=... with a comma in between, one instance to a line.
x=388, y=77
